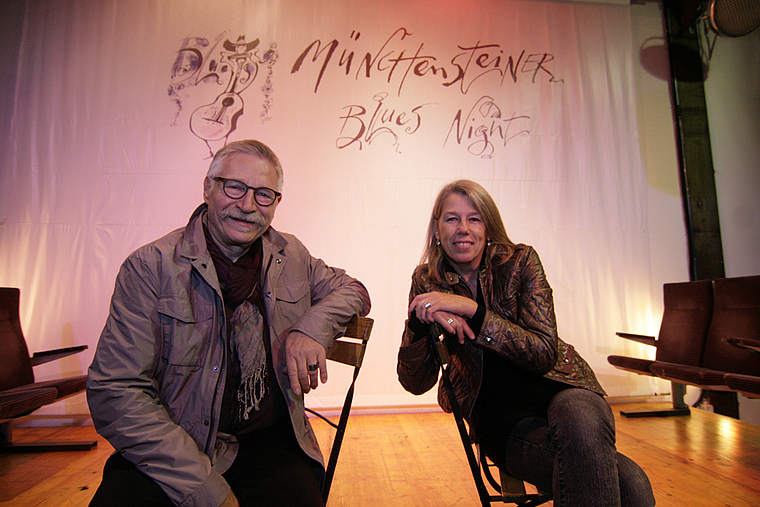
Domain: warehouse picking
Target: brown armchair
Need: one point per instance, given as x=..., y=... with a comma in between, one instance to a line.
x=20, y=395
x=681, y=340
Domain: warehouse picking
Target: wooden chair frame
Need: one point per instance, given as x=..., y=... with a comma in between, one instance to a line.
x=510, y=490
x=348, y=349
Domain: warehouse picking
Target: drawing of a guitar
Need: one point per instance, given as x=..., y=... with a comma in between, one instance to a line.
x=217, y=120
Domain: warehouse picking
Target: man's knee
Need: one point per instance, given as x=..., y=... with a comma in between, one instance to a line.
x=125, y=485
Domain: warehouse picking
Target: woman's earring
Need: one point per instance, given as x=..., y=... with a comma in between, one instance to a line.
x=438, y=242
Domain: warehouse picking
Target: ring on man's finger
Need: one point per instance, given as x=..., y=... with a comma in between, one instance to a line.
x=426, y=304
x=313, y=367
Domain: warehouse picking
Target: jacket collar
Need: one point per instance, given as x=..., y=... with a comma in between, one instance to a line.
x=491, y=256
x=494, y=255
x=193, y=245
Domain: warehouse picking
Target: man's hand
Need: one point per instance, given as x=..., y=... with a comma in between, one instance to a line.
x=301, y=352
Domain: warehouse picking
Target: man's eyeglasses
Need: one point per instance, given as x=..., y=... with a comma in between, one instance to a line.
x=236, y=189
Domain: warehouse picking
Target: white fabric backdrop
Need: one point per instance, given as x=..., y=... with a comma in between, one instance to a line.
x=372, y=107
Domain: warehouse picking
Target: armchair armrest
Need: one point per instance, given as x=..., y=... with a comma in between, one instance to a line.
x=646, y=340
x=745, y=343
x=51, y=355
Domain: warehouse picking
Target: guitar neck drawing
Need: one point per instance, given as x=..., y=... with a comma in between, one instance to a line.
x=215, y=121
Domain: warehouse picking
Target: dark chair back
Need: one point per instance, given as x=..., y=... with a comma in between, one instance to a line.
x=685, y=322
x=15, y=364
x=736, y=314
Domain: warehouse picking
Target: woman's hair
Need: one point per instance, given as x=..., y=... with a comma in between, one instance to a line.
x=246, y=147
x=433, y=255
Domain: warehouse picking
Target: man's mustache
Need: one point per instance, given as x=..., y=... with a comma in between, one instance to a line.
x=253, y=217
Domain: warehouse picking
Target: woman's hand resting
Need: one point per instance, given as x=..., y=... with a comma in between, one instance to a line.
x=448, y=310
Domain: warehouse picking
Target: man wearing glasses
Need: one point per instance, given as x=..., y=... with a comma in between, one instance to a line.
x=215, y=333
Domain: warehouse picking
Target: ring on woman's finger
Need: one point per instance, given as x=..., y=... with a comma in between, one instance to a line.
x=426, y=304
x=450, y=321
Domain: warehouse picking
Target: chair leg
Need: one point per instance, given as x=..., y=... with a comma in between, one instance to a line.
x=513, y=492
x=511, y=486
x=8, y=446
x=723, y=402
x=510, y=489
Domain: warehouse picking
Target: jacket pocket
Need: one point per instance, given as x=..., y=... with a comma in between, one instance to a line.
x=293, y=299
x=185, y=331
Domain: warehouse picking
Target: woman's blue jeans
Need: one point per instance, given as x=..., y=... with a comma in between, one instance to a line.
x=573, y=455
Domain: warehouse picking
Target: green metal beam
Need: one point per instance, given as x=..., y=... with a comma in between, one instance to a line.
x=695, y=155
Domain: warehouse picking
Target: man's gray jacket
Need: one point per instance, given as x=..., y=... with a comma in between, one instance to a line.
x=155, y=384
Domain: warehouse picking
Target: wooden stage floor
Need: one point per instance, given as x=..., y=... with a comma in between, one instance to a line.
x=397, y=460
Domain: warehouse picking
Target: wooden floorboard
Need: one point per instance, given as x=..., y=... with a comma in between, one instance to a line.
x=400, y=460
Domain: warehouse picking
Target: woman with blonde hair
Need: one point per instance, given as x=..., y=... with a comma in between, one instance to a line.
x=530, y=399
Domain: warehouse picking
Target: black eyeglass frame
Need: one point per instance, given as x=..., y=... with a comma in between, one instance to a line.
x=224, y=181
